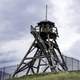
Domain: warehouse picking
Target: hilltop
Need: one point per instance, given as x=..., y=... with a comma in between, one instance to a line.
x=52, y=76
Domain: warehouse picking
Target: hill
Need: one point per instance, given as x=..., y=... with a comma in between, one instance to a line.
x=52, y=76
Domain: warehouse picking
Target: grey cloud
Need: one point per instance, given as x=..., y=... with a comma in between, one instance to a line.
x=16, y=16
x=74, y=13
x=75, y=50
x=8, y=58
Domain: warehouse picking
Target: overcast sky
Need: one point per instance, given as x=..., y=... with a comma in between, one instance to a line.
x=16, y=16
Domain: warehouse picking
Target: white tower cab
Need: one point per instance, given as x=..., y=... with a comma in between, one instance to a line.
x=44, y=54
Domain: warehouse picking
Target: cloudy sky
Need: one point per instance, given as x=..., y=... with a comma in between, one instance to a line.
x=16, y=16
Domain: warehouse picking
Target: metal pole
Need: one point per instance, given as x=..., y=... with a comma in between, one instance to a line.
x=78, y=65
x=46, y=11
x=1, y=73
x=72, y=64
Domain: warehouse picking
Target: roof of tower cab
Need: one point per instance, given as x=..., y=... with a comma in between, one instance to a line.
x=46, y=22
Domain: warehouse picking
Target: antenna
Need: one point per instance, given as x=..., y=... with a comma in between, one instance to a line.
x=46, y=11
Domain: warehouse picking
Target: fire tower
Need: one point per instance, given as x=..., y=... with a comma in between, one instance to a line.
x=44, y=54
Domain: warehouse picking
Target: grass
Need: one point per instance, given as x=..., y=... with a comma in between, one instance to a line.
x=52, y=76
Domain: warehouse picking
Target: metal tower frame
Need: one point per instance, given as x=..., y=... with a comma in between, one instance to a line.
x=45, y=50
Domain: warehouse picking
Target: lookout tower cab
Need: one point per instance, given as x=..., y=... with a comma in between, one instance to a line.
x=46, y=29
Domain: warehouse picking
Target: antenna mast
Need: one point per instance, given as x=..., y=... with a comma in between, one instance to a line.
x=46, y=11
